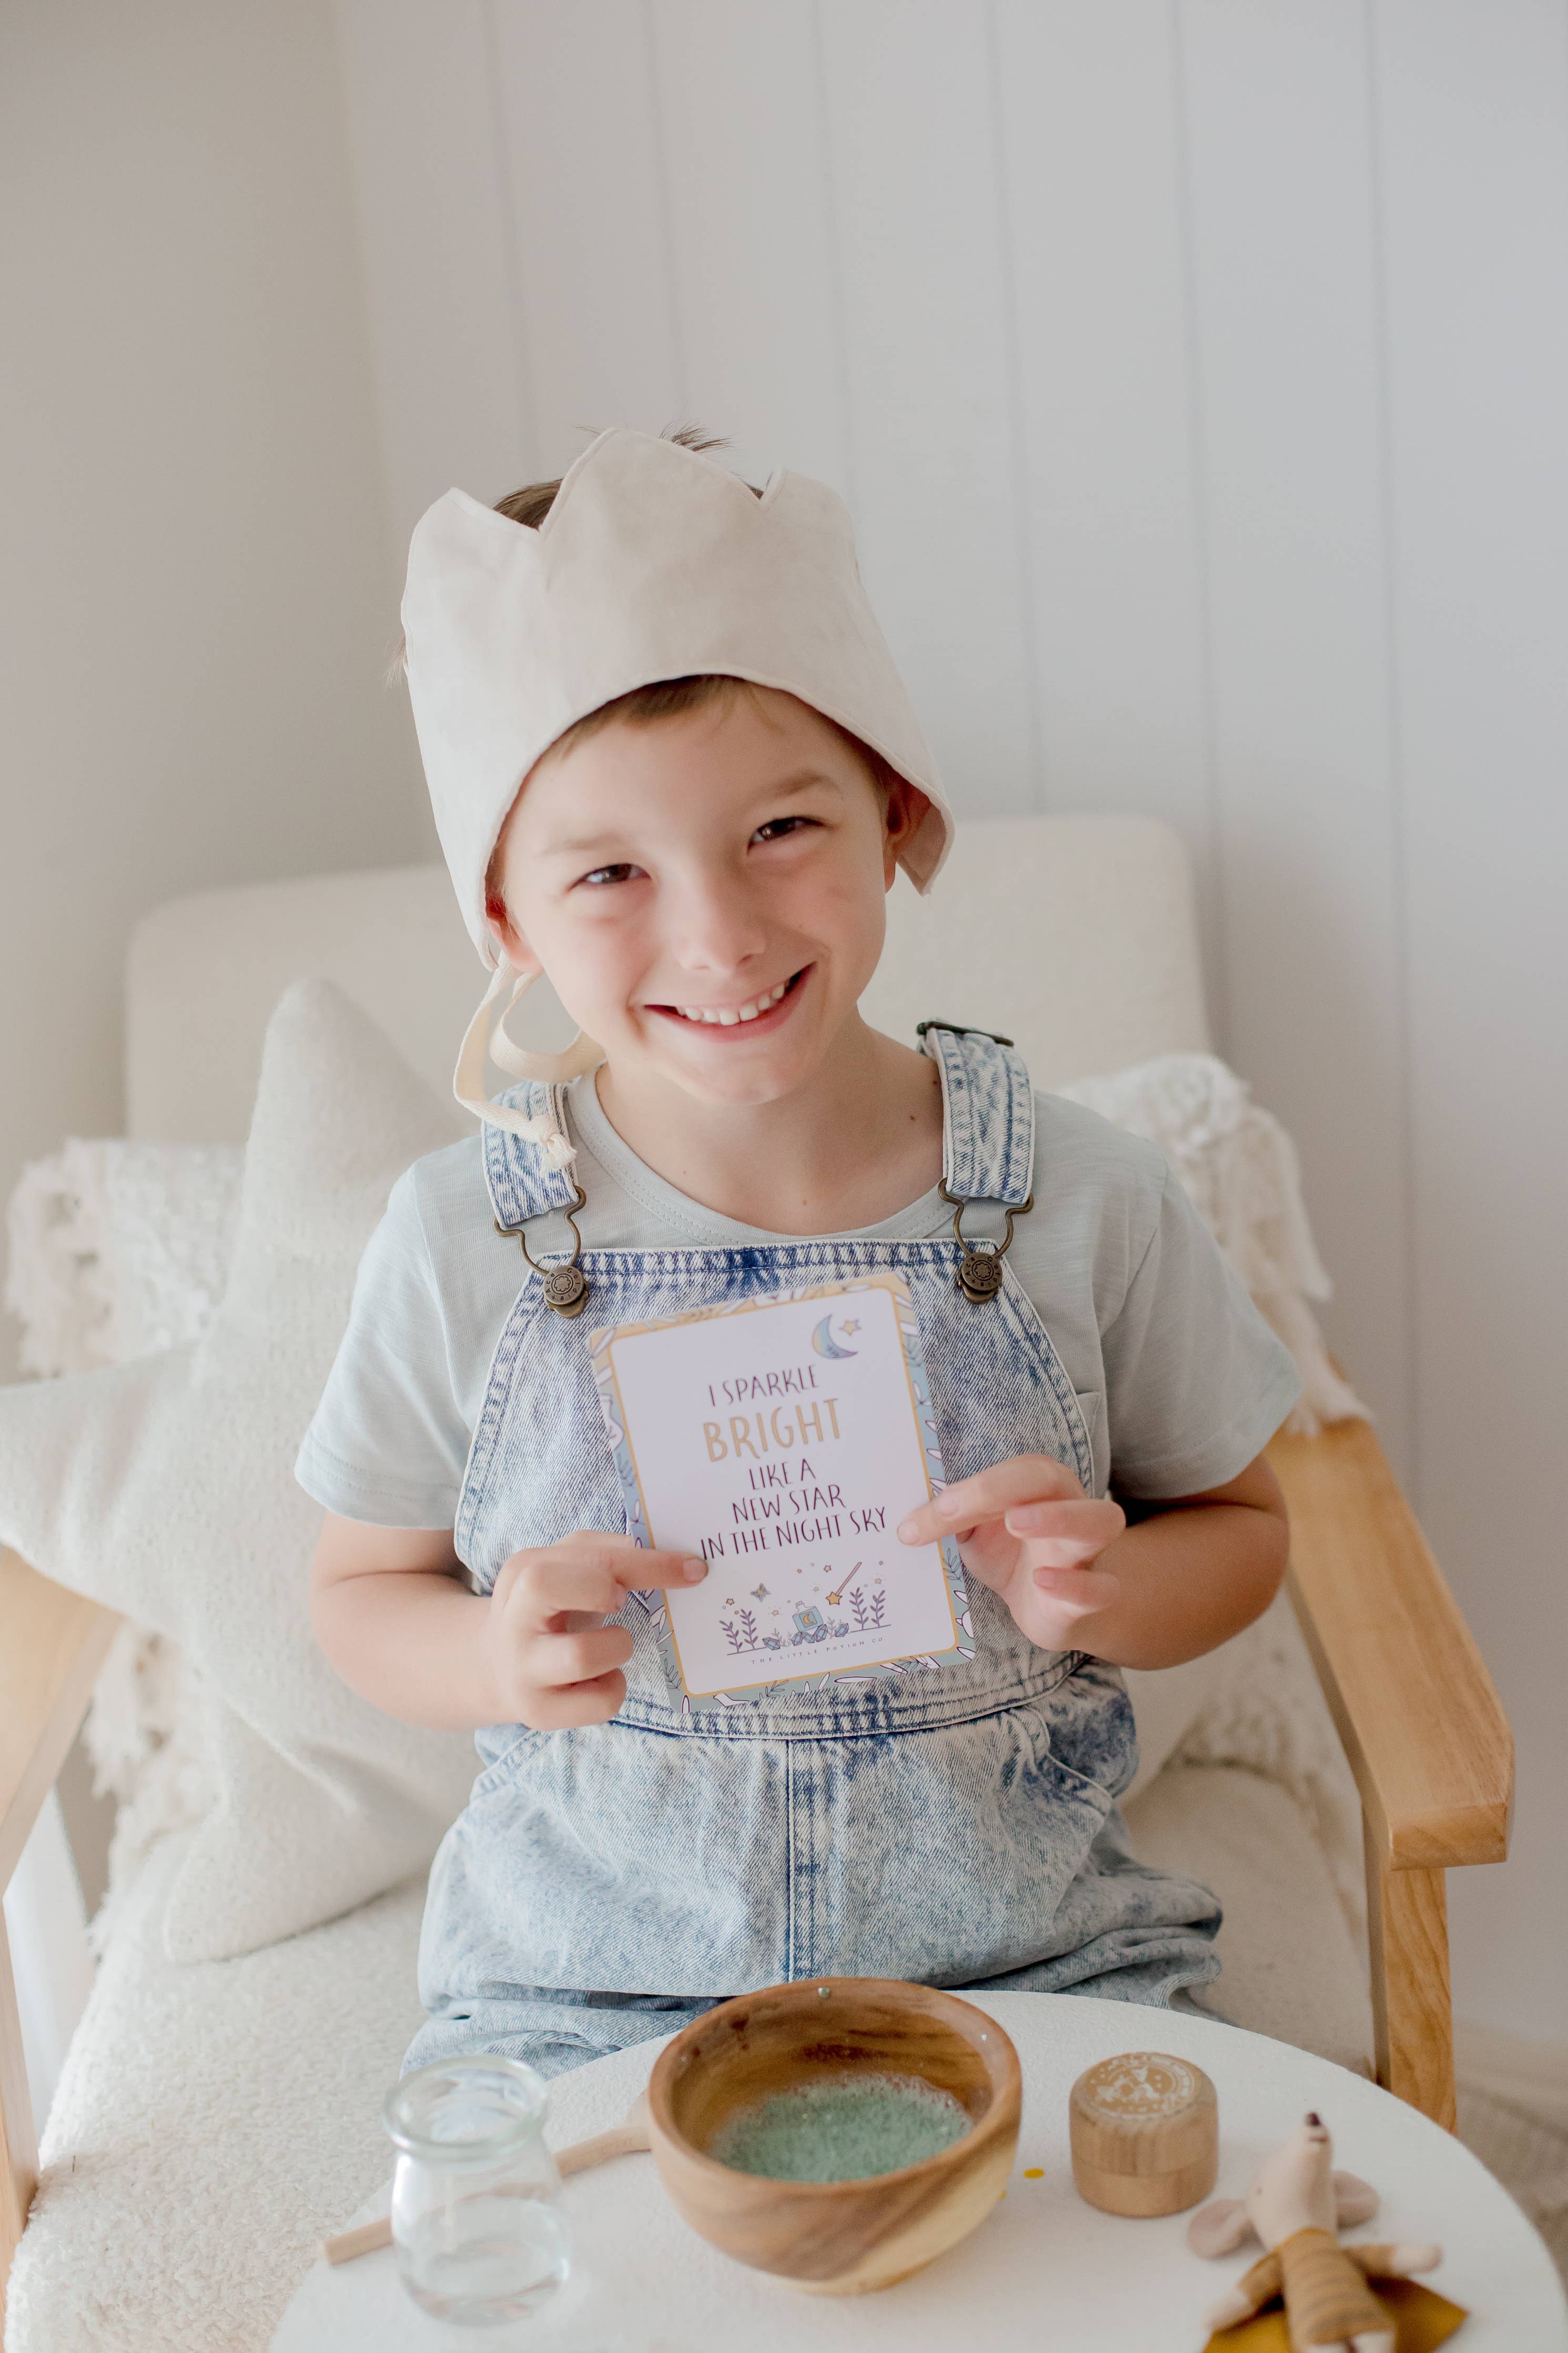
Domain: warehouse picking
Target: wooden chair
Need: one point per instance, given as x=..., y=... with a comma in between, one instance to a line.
x=1415, y=1707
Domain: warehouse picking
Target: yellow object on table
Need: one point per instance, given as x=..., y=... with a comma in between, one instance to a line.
x=1420, y=2318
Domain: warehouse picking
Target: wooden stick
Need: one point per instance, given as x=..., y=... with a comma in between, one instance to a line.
x=622, y=2140
x=627, y=2139
x=365, y=2241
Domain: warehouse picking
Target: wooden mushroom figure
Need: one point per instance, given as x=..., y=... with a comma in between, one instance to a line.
x=1298, y=2205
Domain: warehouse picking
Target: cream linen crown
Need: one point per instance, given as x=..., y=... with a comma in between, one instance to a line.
x=654, y=561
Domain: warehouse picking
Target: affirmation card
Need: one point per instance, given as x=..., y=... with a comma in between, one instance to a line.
x=784, y=1440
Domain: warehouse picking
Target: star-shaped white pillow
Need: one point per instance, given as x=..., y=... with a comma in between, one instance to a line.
x=166, y=1489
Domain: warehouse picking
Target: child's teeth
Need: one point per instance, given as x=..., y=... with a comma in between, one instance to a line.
x=728, y=1018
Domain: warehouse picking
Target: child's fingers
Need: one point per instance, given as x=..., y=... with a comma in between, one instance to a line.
x=637, y=1568
x=1023, y=1479
x=1058, y=1535
x=595, y=1577
x=554, y=1661
x=1077, y=1592
x=574, y=1703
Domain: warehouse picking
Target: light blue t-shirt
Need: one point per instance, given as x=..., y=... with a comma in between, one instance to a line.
x=1181, y=1381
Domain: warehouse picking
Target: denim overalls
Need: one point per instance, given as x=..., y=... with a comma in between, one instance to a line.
x=959, y=1826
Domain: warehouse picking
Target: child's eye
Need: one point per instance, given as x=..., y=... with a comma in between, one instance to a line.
x=603, y=875
x=778, y=829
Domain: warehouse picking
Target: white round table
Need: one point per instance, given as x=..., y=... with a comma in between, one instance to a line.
x=1043, y=2270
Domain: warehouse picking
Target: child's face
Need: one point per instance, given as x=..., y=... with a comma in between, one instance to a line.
x=706, y=892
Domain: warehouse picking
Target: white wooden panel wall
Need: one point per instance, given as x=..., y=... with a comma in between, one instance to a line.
x=1472, y=105
x=1195, y=371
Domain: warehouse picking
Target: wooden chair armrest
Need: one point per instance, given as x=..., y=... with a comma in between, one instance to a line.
x=1421, y=1724
x=51, y=1646
x=1420, y=1719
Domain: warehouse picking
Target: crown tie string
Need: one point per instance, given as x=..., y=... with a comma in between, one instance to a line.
x=486, y=1034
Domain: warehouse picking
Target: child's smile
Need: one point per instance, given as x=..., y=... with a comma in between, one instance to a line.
x=766, y=1010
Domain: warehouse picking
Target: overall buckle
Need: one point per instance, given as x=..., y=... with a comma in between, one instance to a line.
x=958, y=1030
x=565, y=1287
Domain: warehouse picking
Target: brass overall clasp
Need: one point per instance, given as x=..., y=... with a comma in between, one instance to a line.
x=565, y=1287
x=980, y=1270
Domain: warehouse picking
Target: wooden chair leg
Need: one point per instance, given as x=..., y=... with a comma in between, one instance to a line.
x=19, y=2142
x=53, y=1648
x=1407, y=1925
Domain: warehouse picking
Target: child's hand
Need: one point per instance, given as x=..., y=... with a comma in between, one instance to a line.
x=1027, y=1530
x=552, y=1663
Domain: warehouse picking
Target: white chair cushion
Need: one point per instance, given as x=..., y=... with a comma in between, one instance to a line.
x=1075, y=934
x=214, y=2120
x=1292, y=1967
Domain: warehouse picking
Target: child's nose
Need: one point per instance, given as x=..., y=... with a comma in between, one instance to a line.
x=715, y=930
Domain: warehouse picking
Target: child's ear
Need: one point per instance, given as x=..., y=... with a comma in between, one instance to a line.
x=509, y=946
x=901, y=820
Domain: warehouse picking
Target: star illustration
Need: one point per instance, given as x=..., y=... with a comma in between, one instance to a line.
x=852, y=1326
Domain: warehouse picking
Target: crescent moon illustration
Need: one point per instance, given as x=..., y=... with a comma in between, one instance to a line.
x=823, y=1340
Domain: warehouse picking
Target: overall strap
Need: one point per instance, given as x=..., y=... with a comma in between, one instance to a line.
x=988, y=1115
x=988, y=1131
x=524, y=1176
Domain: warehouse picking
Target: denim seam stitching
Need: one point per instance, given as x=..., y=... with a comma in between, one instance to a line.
x=492, y=1414
x=1020, y=1156
x=789, y=1863
x=962, y=1159
x=1055, y=1373
x=818, y=1725
x=622, y=1266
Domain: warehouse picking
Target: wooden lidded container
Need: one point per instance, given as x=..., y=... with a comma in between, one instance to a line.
x=1144, y=2129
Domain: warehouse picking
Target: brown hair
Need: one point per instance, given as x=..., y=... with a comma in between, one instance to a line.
x=530, y=505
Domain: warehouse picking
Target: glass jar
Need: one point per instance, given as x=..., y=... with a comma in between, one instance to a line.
x=475, y=2215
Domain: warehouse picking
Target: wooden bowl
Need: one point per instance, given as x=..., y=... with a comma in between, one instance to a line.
x=834, y=2238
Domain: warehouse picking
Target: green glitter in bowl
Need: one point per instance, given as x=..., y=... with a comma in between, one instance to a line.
x=841, y=2127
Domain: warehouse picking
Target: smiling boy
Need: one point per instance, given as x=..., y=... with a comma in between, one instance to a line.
x=700, y=862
